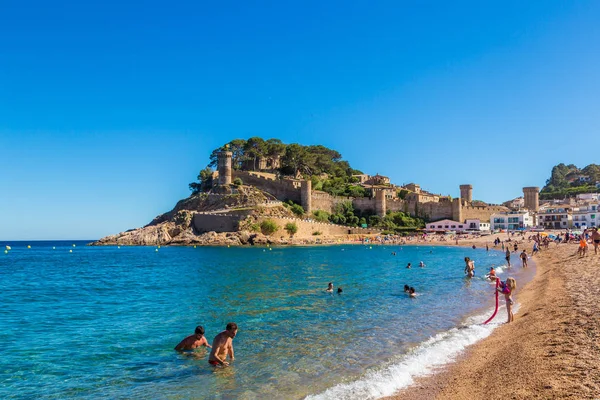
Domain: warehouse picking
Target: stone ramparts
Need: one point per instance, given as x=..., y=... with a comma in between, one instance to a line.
x=280, y=188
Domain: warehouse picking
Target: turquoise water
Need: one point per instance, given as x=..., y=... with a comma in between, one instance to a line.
x=101, y=322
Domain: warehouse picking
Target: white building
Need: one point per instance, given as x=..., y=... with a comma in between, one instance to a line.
x=477, y=225
x=446, y=225
x=511, y=220
x=555, y=217
x=586, y=216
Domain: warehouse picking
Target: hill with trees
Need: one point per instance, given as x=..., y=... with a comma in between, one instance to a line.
x=322, y=165
x=568, y=180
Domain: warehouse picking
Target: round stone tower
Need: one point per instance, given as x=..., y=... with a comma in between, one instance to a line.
x=380, y=203
x=532, y=198
x=224, y=167
x=306, y=195
x=466, y=193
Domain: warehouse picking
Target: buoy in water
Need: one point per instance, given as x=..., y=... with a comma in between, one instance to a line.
x=194, y=246
x=158, y=246
x=53, y=248
x=5, y=251
x=155, y=249
x=7, y=247
x=73, y=244
x=118, y=247
x=70, y=251
x=28, y=246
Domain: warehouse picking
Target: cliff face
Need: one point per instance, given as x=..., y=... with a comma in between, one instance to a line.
x=175, y=227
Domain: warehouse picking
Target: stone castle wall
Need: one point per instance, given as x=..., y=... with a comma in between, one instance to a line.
x=217, y=222
x=280, y=188
x=231, y=223
x=306, y=229
x=480, y=212
x=326, y=202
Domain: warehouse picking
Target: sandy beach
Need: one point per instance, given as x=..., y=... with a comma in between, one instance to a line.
x=550, y=351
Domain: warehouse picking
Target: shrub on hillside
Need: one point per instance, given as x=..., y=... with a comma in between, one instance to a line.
x=268, y=227
x=321, y=216
x=291, y=228
x=297, y=209
x=237, y=182
x=317, y=233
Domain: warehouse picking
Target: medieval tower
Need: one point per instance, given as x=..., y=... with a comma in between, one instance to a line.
x=306, y=195
x=224, y=167
x=532, y=198
x=380, y=203
x=466, y=193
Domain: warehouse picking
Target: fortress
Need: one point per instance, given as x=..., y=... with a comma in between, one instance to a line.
x=384, y=197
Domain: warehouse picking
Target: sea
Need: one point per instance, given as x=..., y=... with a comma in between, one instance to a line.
x=86, y=322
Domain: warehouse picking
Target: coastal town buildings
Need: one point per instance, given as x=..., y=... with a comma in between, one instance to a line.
x=555, y=217
x=585, y=216
x=511, y=220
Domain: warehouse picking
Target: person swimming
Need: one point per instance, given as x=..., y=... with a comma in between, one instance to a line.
x=329, y=287
x=492, y=274
x=411, y=292
x=406, y=288
x=421, y=264
x=340, y=290
x=408, y=266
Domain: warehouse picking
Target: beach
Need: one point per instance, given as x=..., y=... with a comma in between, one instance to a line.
x=550, y=351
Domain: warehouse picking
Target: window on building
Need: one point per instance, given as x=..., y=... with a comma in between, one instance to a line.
x=454, y=226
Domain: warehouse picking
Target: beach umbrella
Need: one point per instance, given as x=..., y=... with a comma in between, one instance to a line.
x=543, y=234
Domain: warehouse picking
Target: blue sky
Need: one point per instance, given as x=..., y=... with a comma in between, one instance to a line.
x=108, y=110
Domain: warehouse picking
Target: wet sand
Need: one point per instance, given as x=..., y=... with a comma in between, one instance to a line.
x=550, y=351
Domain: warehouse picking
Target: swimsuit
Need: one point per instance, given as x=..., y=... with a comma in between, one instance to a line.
x=214, y=362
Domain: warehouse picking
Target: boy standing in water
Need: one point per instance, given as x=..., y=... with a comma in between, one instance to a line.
x=507, y=256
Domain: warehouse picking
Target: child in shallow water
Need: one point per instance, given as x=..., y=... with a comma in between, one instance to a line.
x=507, y=288
x=411, y=292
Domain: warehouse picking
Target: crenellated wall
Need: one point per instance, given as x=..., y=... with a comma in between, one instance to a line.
x=280, y=188
x=482, y=213
x=307, y=229
x=230, y=223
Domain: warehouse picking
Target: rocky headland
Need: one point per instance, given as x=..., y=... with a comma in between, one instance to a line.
x=176, y=227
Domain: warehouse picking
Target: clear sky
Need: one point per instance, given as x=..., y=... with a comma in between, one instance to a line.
x=109, y=109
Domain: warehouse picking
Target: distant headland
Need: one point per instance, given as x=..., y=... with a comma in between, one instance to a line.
x=259, y=191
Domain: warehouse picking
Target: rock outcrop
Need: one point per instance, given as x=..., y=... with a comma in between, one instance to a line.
x=176, y=226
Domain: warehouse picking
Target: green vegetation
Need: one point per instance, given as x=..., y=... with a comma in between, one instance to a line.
x=317, y=233
x=295, y=208
x=268, y=227
x=568, y=180
x=322, y=165
x=321, y=216
x=237, y=182
x=204, y=183
x=291, y=228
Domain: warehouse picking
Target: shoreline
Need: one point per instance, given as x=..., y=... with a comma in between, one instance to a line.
x=551, y=350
